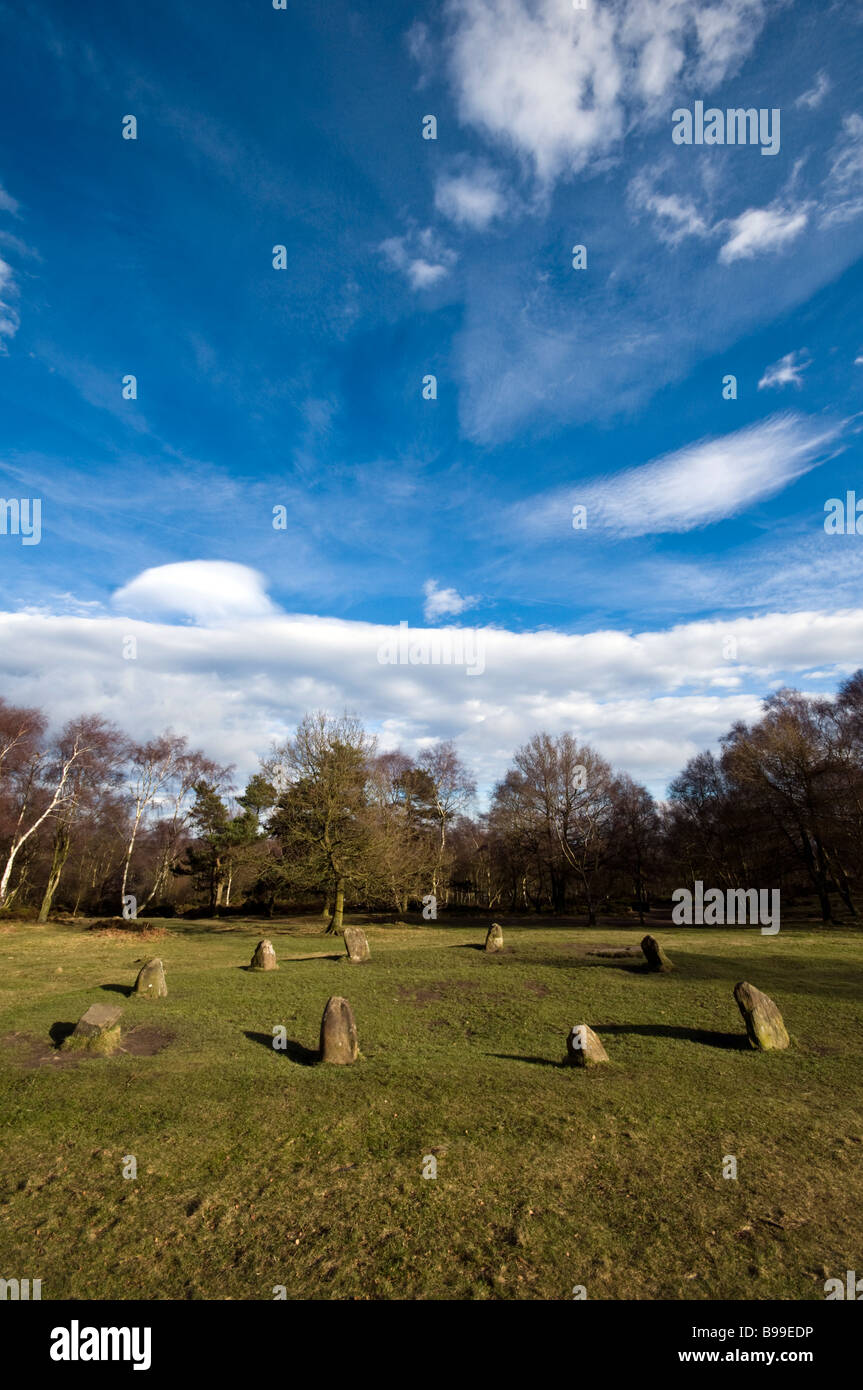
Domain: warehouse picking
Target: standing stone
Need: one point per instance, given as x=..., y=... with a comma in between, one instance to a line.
x=656, y=957
x=764, y=1026
x=339, y=1033
x=583, y=1048
x=494, y=938
x=264, y=957
x=151, y=980
x=99, y=1018
x=357, y=944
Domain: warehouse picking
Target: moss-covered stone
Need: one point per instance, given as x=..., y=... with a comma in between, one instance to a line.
x=494, y=937
x=100, y=1044
x=655, y=956
x=764, y=1026
x=151, y=981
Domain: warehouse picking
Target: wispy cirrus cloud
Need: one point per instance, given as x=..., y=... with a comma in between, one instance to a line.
x=7, y=202
x=843, y=186
x=815, y=94
x=676, y=215
x=9, y=320
x=788, y=371
x=695, y=486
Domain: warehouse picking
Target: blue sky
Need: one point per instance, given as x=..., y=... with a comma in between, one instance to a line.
x=302, y=388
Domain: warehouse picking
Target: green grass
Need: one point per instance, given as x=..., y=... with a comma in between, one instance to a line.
x=257, y=1168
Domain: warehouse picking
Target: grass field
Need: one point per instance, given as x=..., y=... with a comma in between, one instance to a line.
x=258, y=1168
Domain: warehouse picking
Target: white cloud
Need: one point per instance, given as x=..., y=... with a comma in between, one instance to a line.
x=7, y=202
x=695, y=486
x=646, y=700
x=788, y=371
x=420, y=47
x=207, y=591
x=472, y=199
x=759, y=230
x=420, y=256
x=843, y=186
x=442, y=603
x=8, y=317
x=677, y=217
x=815, y=95
x=560, y=86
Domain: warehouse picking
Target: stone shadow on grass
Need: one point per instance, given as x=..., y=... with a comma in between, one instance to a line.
x=629, y=964
x=59, y=1032
x=573, y=955
x=515, y=1057
x=733, y=1042
x=480, y=946
x=294, y=1051
x=127, y=990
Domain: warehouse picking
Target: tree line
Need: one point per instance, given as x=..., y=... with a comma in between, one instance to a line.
x=93, y=822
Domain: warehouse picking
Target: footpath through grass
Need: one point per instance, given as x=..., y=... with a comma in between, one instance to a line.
x=257, y=1168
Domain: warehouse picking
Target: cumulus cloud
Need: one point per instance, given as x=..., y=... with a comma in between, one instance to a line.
x=646, y=700
x=759, y=230
x=472, y=198
x=420, y=256
x=694, y=486
x=205, y=591
x=788, y=371
x=560, y=86
x=443, y=603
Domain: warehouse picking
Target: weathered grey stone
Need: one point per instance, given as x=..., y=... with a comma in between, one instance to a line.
x=151, y=980
x=764, y=1026
x=357, y=944
x=583, y=1048
x=264, y=957
x=99, y=1018
x=339, y=1033
x=494, y=937
x=655, y=956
